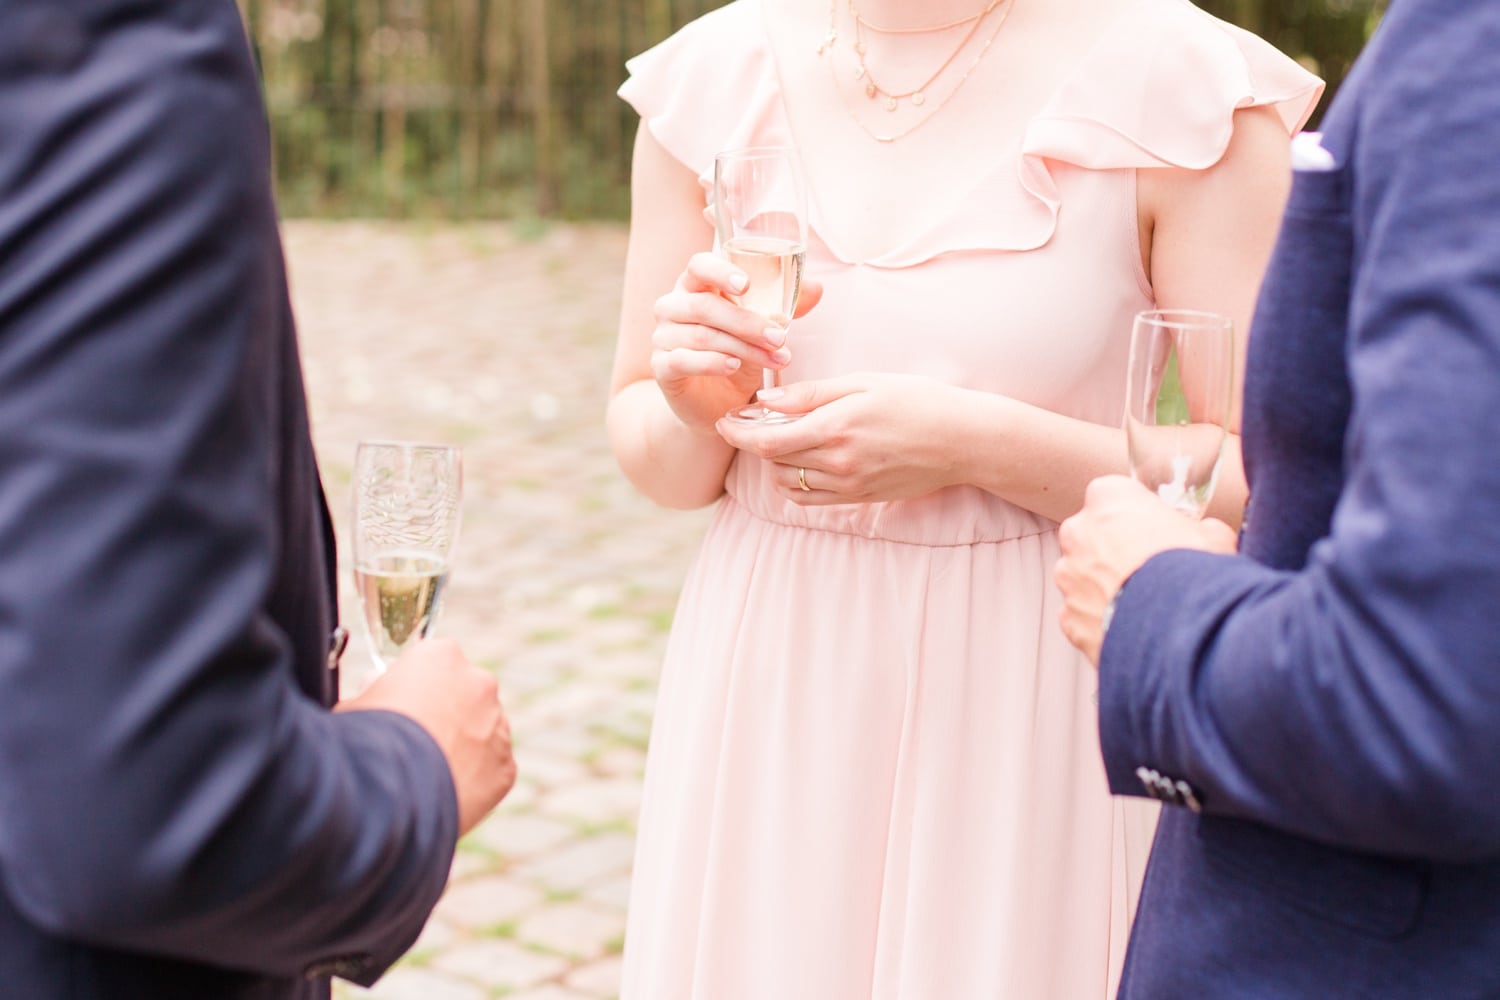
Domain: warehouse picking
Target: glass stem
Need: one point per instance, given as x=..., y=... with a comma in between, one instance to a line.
x=768, y=380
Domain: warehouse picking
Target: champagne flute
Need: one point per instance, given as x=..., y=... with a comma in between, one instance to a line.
x=1178, y=397
x=406, y=518
x=760, y=221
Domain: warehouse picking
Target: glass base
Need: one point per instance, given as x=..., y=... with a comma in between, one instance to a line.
x=754, y=413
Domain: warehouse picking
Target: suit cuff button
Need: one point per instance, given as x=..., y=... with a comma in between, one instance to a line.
x=338, y=641
x=1188, y=796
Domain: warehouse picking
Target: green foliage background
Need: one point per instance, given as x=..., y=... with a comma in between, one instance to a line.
x=507, y=108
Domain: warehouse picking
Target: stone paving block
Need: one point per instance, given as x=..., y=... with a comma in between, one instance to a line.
x=549, y=992
x=639, y=703
x=486, y=902
x=597, y=979
x=568, y=740
x=618, y=633
x=468, y=863
x=513, y=837
x=519, y=687
x=575, y=929
x=404, y=983
x=580, y=864
x=613, y=892
x=546, y=623
x=437, y=935
x=552, y=662
x=631, y=666
x=523, y=795
x=549, y=770
x=500, y=964
x=621, y=762
x=600, y=801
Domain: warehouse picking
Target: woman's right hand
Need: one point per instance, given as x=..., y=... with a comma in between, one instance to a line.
x=707, y=354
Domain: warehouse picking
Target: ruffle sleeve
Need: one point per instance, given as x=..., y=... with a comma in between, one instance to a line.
x=1159, y=89
x=709, y=87
x=1164, y=95
x=1160, y=92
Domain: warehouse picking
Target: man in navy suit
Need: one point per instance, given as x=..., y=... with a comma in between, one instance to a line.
x=181, y=817
x=1322, y=710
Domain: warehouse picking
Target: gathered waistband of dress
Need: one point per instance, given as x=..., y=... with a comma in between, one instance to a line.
x=956, y=515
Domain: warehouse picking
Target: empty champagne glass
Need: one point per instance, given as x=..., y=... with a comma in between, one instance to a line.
x=760, y=218
x=1178, y=398
x=406, y=518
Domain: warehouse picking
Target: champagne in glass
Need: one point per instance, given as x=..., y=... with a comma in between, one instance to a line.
x=1179, y=392
x=401, y=592
x=406, y=518
x=760, y=218
x=774, y=267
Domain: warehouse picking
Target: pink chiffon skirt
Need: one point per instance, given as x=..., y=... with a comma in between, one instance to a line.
x=874, y=773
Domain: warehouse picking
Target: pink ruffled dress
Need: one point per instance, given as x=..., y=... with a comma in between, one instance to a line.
x=874, y=769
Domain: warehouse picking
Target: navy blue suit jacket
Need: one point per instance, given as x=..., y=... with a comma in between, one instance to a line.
x=1333, y=693
x=180, y=815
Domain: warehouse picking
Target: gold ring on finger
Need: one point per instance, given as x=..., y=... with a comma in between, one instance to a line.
x=802, y=480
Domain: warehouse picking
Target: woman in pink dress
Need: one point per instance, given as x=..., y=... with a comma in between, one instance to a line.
x=873, y=771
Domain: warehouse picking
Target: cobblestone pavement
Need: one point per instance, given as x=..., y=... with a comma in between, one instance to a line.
x=500, y=340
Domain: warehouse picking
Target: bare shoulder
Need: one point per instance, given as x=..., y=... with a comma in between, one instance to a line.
x=1244, y=190
x=1254, y=171
x=654, y=167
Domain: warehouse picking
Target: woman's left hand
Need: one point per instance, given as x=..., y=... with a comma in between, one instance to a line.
x=863, y=438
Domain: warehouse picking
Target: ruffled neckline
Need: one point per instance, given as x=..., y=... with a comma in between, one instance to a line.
x=1161, y=92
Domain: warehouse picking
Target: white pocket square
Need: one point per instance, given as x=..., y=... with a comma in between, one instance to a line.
x=1308, y=153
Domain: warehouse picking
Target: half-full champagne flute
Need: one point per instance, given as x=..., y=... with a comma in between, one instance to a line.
x=760, y=218
x=406, y=517
x=1179, y=393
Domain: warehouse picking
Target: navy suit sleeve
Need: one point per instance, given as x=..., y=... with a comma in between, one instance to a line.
x=1357, y=701
x=164, y=785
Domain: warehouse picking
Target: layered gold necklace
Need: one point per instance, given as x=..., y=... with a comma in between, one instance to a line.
x=917, y=96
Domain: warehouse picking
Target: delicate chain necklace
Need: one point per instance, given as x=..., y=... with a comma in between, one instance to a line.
x=919, y=31
x=918, y=95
